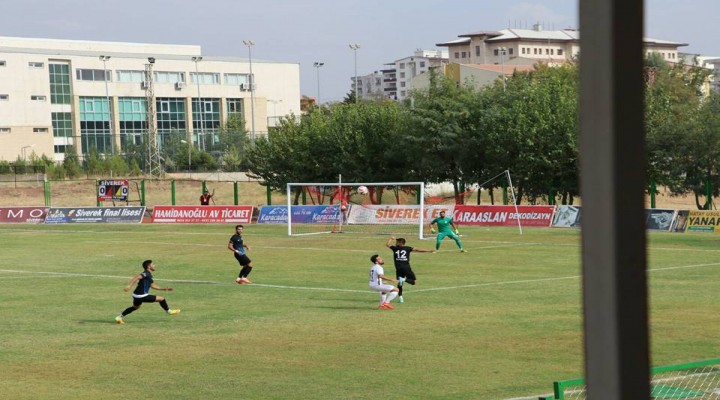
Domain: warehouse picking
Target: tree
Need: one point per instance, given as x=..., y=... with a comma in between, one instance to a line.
x=439, y=122
x=680, y=151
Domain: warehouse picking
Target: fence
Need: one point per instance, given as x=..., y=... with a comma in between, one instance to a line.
x=83, y=192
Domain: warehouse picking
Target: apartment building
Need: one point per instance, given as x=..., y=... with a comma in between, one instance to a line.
x=530, y=46
x=103, y=96
x=483, y=57
x=712, y=63
x=408, y=68
x=395, y=82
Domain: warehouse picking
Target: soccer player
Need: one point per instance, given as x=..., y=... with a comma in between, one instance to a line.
x=446, y=227
x=401, y=256
x=377, y=274
x=238, y=247
x=141, y=294
x=205, y=198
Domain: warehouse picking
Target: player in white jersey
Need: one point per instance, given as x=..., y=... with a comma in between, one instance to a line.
x=377, y=274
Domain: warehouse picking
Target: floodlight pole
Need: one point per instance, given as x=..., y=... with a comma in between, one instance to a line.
x=355, y=47
x=317, y=66
x=104, y=59
x=200, y=106
x=250, y=44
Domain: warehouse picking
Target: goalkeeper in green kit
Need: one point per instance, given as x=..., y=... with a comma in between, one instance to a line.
x=446, y=227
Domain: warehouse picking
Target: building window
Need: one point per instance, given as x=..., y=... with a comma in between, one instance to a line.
x=457, y=54
x=93, y=75
x=40, y=130
x=402, y=75
x=464, y=54
x=236, y=79
x=4, y=97
x=523, y=50
x=132, y=118
x=2, y=63
x=510, y=51
x=62, y=124
x=59, y=83
x=402, y=84
x=535, y=51
x=234, y=108
x=403, y=93
x=171, y=117
x=33, y=64
x=38, y=98
x=402, y=66
x=95, y=125
x=4, y=130
x=168, y=77
x=422, y=64
x=477, y=50
x=206, y=121
x=205, y=78
x=560, y=52
x=130, y=76
x=552, y=52
x=62, y=127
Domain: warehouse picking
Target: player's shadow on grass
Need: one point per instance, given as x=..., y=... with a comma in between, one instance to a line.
x=112, y=321
x=359, y=307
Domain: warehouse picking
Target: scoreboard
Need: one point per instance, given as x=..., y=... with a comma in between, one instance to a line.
x=113, y=189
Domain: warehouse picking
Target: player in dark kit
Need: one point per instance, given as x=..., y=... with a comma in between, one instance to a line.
x=142, y=292
x=401, y=256
x=237, y=246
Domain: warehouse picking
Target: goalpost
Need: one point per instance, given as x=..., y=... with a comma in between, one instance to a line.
x=370, y=208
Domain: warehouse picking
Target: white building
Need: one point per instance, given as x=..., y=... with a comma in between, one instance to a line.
x=530, y=46
x=395, y=82
x=94, y=95
x=408, y=68
x=709, y=62
x=485, y=56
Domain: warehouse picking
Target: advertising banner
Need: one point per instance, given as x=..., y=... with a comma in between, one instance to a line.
x=566, y=216
x=680, y=222
x=27, y=215
x=658, y=219
x=395, y=214
x=65, y=215
x=202, y=214
x=503, y=215
x=703, y=221
x=329, y=214
x=272, y=215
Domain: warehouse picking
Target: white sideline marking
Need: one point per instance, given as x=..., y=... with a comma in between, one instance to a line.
x=486, y=284
x=224, y=246
x=533, y=397
x=553, y=279
x=70, y=275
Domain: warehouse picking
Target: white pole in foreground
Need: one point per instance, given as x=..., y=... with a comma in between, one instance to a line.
x=512, y=191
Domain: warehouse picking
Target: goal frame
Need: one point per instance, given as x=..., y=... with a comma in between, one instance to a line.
x=341, y=184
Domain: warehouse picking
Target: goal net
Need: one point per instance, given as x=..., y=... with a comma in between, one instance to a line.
x=370, y=208
x=695, y=380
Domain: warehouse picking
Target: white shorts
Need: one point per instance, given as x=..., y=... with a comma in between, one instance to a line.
x=382, y=288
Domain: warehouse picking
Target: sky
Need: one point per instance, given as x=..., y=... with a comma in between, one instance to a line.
x=308, y=31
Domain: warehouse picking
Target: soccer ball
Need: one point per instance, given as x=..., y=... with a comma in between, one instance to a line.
x=363, y=190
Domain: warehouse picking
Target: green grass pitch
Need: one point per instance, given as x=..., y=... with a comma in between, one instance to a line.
x=502, y=321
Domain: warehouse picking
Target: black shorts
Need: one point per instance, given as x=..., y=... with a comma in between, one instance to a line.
x=243, y=259
x=147, y=299
x=404, y=271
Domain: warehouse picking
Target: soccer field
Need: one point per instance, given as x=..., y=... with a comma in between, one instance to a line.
x=499, y=322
